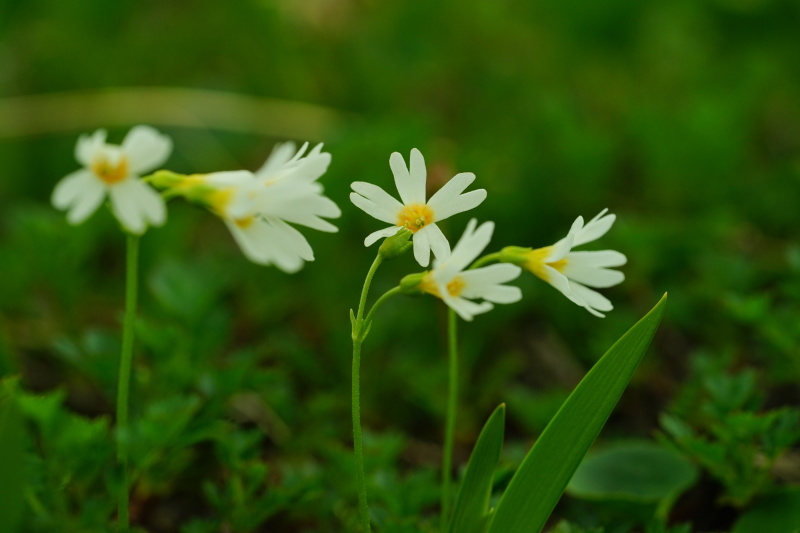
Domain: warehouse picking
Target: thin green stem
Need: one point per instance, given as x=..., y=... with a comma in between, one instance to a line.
x=388, y=294
x=485, y=260
x=450, y=426
x=123, y=388
x=358, y=334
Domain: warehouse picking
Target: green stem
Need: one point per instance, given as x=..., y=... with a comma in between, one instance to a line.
x=358, y=334
x=485, y=259
x=450, y=427
x=123, y=388
x=388, y=294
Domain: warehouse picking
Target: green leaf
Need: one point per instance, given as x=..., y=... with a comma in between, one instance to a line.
x=778, y=512
x=472, y=503
x=544, y=473
x=12, y=465
x=633, y=471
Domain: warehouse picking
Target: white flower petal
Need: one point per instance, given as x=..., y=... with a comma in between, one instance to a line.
x=593, y=276
x=402, y=179
x=127, y=206
x=375, y=202
x=290, y=248
x=482, y=277
x=253, y=240
x=471, y=244
x=91, y=196
x=601, y=258
x=150, y=203
x=595, y=229
x=146, y=149
x=375, y=236
x=467, y=309
x=563, y=247
x=499, y=294
x=418, y=176
x=422, y=247
x=558, y=280
x=459, y=204
x=451, y=190
x=439, y=244
x=281, y=154
x=70, y=188
x=592, y=299
x=88, y=145
x=312, y=167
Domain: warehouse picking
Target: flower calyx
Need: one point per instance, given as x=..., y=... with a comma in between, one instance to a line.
x=396, y=245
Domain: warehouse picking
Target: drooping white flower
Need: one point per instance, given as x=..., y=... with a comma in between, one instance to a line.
x=258, y=207
x=573, y=273
x=114, y=171
x=415, y=212
x=457, y=287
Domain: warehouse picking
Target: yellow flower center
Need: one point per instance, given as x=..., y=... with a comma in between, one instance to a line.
x=109, y=172
x=454, y=288
x=535, y=262
x=415, y=217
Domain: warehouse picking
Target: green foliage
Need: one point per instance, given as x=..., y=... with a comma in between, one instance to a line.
x=728, y=433
x=13, y=475
x=776, y=512
x=679, y=116
x=544, y=473
x=633, y=471
x=472, y=503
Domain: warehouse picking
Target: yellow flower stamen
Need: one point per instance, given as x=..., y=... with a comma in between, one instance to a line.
x=536, y=264
x=415, y=217
x=109, y=172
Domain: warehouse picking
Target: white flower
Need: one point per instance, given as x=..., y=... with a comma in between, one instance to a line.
x=258, y=207
x=114, y=170
x=573, y=272
x=457, y=287
x=415, y=213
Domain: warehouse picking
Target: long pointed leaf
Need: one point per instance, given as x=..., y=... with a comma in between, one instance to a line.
x=544, y=473
x=472, y=503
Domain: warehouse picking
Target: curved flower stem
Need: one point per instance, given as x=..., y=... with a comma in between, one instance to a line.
x=123, y=387
x=485, y=260
x=388, y=294
x=358, y=334
x=450, y=426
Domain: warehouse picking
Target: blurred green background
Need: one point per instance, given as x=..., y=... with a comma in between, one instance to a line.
x=681, y=117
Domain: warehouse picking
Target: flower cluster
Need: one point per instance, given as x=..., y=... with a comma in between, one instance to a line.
x=261, y=210
x=258, y=207
x=451, y=279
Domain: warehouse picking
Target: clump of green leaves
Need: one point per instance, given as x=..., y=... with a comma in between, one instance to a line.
x=730, y=434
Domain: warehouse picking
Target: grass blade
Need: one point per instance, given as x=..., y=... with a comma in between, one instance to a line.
x=472, y=503
x=544, y=473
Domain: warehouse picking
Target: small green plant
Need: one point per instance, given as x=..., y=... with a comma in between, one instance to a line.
x=731, y=436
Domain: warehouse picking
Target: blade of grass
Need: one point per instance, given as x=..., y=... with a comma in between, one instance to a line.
x=544, y=473
x=472, y=503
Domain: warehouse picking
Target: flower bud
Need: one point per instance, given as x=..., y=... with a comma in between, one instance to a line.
x=396, y=245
